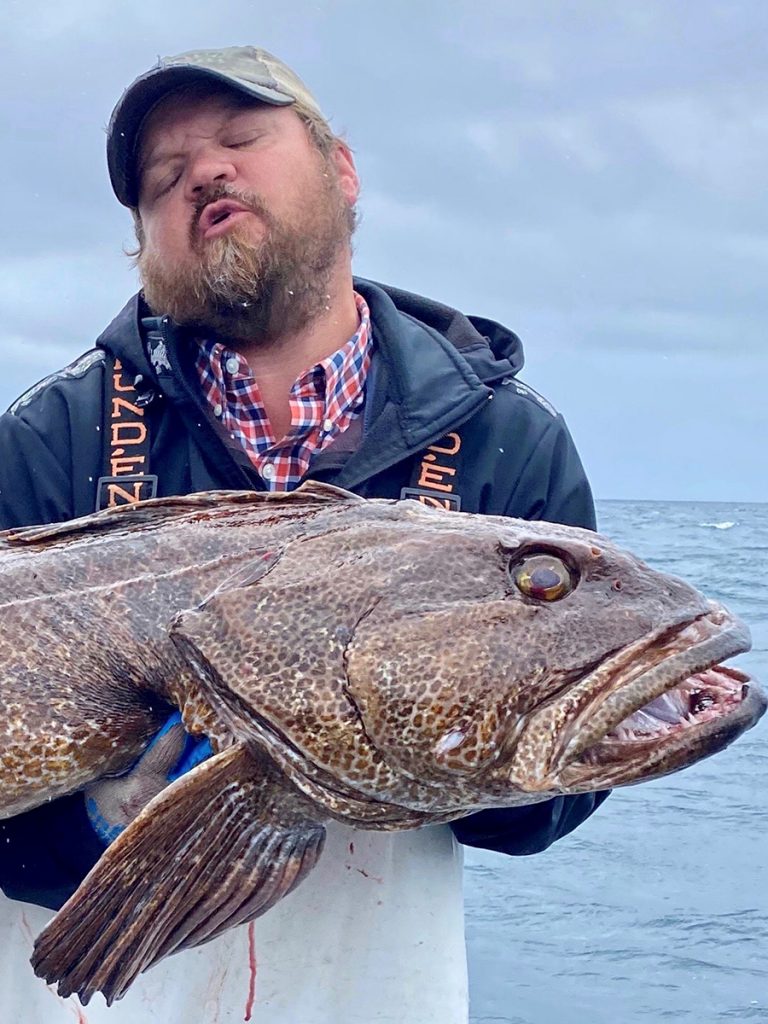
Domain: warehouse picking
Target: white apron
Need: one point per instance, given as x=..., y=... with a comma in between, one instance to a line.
x=374, y=935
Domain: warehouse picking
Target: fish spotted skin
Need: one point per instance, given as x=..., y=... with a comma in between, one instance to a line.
x=378, y=644
x=377, y=662
x=424, y=679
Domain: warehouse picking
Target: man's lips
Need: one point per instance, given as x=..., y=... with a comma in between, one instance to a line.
x=218, y=217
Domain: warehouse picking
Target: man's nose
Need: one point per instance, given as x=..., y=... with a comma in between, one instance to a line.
x=209, y=169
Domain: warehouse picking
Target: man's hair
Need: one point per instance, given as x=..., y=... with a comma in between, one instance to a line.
x=319, y=131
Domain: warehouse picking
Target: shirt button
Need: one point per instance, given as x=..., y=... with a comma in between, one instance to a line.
x=269, y=471
x=327, y=426
x=217, y=410
x=232, y=365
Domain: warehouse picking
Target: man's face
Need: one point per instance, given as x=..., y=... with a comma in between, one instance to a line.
x=244, y=221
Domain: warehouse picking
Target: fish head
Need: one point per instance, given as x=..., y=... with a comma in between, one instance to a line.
x=394, y=650
x=532, y=658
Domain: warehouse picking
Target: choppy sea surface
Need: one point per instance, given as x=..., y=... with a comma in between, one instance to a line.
x=656, y=909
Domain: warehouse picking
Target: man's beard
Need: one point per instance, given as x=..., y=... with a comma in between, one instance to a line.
x=257, y=291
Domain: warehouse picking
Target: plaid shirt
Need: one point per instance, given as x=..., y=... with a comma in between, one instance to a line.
x=324, y=401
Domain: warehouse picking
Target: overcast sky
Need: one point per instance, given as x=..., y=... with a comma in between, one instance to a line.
x=593, y=174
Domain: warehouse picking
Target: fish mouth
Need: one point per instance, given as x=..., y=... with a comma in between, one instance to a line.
x=657, y=711
x=700, y=716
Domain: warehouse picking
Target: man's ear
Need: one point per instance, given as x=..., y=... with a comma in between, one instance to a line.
x=344, y=163
x=138, y=228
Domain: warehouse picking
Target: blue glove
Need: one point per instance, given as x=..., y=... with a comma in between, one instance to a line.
x=113, y=803
x=193, y=752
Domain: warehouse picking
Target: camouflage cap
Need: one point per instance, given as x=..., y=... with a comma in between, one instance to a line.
x=245, y=68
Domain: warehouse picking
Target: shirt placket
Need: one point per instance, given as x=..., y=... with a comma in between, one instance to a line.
x=323, y=403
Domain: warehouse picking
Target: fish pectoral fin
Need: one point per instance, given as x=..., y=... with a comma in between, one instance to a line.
x=215, y=849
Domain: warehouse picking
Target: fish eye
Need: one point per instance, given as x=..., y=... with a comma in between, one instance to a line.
x=544, y=577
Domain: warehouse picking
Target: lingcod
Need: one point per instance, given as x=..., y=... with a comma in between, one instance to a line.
x=375, y=662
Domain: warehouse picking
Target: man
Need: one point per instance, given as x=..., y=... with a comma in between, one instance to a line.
x=254, y=359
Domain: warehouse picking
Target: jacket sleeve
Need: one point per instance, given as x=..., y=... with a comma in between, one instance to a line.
x=552, y=486
x=46, y=852
x=33, y=484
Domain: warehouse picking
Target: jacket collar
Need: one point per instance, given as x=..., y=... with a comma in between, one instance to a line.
x=431, y=371
x=492, y=350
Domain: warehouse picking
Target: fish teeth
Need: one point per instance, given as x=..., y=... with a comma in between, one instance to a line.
x=644, y=721
x=669, y=707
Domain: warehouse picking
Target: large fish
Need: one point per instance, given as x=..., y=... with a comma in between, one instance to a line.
x=376, y=662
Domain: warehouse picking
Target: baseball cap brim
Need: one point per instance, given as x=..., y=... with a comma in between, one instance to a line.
x=142, y=97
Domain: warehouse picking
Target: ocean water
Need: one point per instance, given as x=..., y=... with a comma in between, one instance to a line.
x=656, y=909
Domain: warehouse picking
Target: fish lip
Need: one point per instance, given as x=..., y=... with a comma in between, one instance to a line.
x=669, y=666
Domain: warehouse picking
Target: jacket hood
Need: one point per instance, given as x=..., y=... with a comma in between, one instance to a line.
x=122, y=337
x=492, y=350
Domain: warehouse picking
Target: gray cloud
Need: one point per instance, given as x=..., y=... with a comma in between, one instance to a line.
x=591, y=174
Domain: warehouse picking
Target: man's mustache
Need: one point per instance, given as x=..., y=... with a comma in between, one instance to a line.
x=213, y=194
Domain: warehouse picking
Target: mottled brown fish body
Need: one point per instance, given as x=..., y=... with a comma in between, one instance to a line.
x=378, y=662
x=86, y=663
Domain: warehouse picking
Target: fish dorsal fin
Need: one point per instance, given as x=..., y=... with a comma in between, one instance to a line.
x=313, y=491
x=154, y=511
x=142, y=513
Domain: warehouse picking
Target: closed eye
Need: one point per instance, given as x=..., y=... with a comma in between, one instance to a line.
x=167, y=184
x=157, y=185
x=241, y=141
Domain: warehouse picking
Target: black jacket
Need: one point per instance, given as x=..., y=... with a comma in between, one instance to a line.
x=434, y=371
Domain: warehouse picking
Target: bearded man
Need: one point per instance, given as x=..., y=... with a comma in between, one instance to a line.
x=253, y=359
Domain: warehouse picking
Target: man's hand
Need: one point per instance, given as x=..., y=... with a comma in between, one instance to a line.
x=113, y=803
